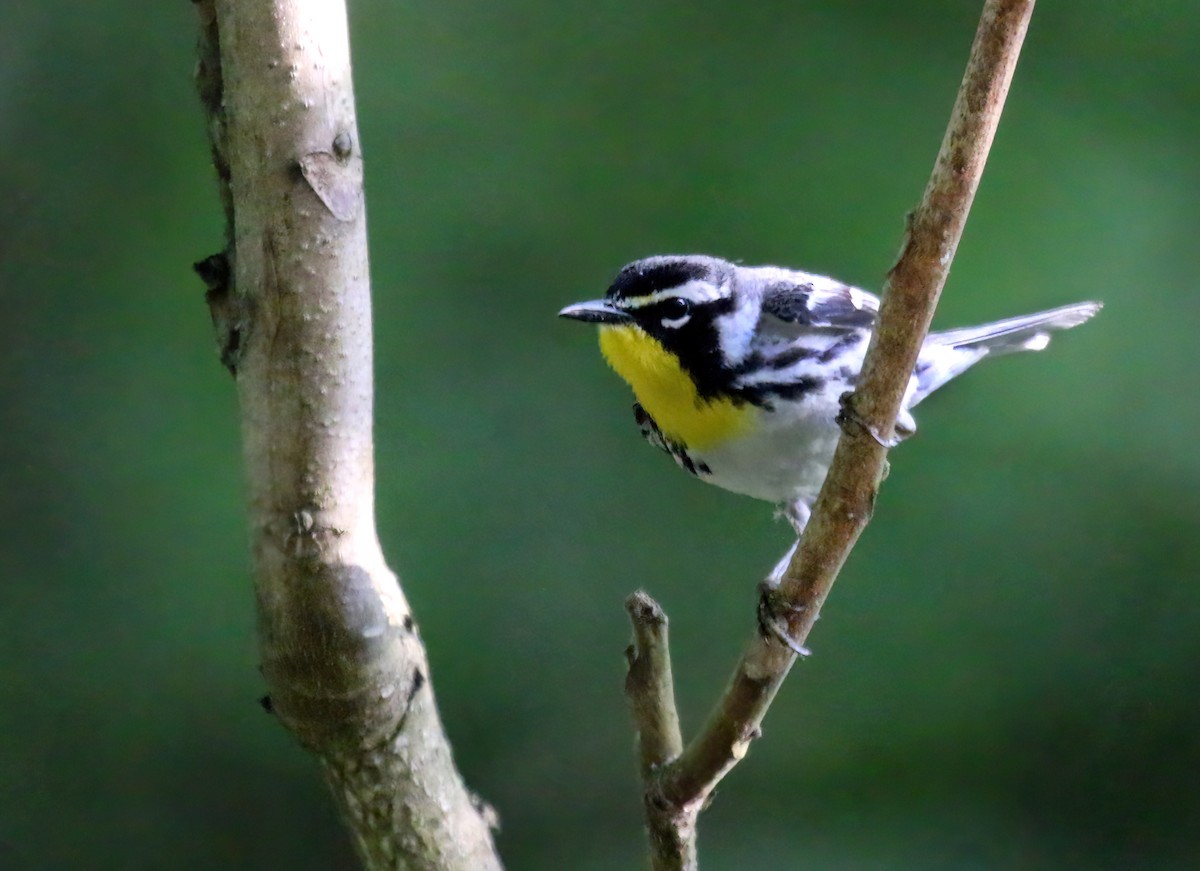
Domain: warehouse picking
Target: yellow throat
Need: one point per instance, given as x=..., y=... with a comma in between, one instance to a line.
x=668, y=393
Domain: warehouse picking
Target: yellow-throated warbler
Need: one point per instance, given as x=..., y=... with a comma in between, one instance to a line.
x=739, y=371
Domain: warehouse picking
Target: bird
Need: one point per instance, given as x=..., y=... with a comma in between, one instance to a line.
x=739, y=372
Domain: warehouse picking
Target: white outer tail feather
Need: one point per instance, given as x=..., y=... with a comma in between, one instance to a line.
x=948, y=353
x=1013, y=334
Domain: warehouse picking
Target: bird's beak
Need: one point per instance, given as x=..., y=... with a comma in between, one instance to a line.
x=599, y=311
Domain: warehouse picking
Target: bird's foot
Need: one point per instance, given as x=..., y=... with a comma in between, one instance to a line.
x=848, y=414
x=773, y=611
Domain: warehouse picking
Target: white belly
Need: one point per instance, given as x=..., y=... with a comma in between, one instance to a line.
x=784, y=459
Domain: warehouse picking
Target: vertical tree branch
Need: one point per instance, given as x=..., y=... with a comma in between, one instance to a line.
x=649, y=684
x=847, y=497
x=340, y=652
x=650, y=689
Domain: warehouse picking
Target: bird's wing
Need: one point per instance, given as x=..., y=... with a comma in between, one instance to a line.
x=808, y=301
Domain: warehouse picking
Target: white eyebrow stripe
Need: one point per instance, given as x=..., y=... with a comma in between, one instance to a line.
x=693, y=291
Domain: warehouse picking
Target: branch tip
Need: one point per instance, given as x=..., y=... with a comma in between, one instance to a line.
x=644, y=610
x=649, y=685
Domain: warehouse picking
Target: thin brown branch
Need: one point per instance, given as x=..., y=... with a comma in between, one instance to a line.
x=649, y=685
x=847, y=497
x=650, y=690
x=347, y=671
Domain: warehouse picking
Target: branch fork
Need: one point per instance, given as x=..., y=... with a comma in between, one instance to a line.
x=677, y=782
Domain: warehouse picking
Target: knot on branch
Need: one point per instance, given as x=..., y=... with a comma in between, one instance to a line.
x=231, y=312
x=343, y=671
x=336, y=177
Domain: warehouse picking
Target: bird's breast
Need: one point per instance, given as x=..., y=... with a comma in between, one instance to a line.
x=668, y=393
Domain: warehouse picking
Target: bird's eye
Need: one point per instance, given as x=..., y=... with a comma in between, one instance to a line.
x=675, y=311
x=676, y=307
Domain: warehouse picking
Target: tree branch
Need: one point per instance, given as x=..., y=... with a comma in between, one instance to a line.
x=650, y=690
x=290, y=298
x=847, y=497
x=649, y=685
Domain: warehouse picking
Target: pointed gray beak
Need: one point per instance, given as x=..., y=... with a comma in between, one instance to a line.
x=599, y=311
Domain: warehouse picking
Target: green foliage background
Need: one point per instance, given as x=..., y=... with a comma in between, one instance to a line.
x=1006, y=675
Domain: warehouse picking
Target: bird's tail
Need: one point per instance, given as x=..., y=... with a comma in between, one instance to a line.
x=951, y=352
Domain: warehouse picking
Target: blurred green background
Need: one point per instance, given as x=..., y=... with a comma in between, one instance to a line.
x=1007, y=672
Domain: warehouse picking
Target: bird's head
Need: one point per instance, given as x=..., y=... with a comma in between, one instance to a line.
x=666, y=313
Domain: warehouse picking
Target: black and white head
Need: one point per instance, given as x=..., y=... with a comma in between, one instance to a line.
x=719, y=318
x=679, y=300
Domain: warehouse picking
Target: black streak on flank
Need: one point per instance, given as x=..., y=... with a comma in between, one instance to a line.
x=791, y=356
x=634, y=281
x=762, y=394
x=847, y=341
x=679, y=452
x=796, y=389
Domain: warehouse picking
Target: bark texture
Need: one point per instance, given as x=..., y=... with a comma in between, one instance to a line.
x=290, y=299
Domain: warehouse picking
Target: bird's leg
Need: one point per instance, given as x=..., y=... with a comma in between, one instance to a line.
x=775, y=577
x=772, y=611
x=797, y=513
